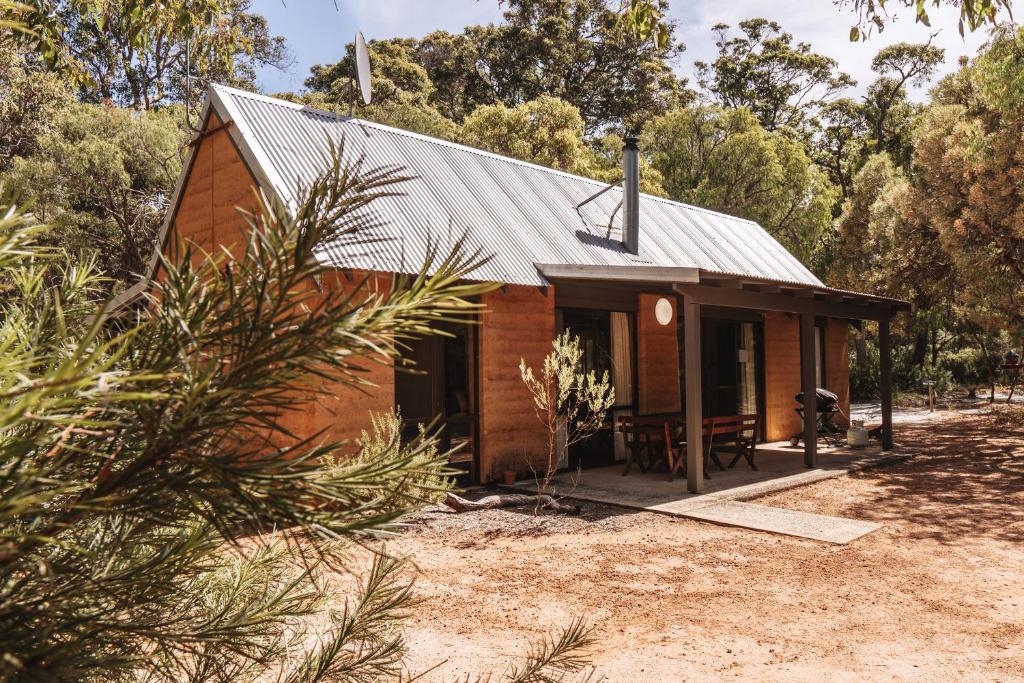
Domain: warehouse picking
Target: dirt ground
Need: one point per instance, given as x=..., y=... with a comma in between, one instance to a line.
x=936, y=594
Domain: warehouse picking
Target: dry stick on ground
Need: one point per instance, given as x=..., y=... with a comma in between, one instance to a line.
x=509, y=500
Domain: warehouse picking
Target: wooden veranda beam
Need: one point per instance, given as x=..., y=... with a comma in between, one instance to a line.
x=885, y=381
x=808, y=385
x=742, y=298
x=694, y=398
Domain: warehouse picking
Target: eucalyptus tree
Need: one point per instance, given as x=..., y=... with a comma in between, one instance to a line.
x=575, y=50
x=723, y=159
x=101, y=177
x=30, y=98
x=546, y=131
x=887, y=109
x=142, y=54
x=841, y=144
x=782, y=83
x=967, y=150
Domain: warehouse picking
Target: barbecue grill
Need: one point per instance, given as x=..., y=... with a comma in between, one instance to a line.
x=828, y=408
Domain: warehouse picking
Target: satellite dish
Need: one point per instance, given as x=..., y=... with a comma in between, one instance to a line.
x=363, y=68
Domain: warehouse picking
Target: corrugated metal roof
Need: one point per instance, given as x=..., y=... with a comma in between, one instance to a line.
x=518, y=213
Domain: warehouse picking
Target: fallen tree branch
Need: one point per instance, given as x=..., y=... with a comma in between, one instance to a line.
x=509, y=500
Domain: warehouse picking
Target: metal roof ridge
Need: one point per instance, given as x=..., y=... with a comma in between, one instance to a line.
x=458, y=145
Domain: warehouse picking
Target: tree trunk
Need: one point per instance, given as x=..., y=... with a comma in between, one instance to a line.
x=860, y=348
x=509, y=500
x=935, y=346
x=920, y=348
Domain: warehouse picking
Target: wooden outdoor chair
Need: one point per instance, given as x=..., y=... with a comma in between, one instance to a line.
x=675, y=446
x=642, y=437
x=736, y=433
x=636, y=442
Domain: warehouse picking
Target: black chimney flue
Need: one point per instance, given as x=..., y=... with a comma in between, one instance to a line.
x=631, y=196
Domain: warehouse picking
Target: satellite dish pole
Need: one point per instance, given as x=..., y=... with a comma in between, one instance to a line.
x=362, y=64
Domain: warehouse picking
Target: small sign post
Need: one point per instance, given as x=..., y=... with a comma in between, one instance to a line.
x=930, y=383
x=1012, y=367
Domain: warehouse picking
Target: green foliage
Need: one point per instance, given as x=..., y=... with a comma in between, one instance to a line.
x=873, y=14
x=572, y=50
x=783, y=84
x=970, y=367
x=968, y=152
x=101, y=177
x=839, y=147
x=999, y=72
x=723, y=159
x=606, y=165
x=553, y=659
x=141, y=470
x=888, y=111
x=133, y=53
x=644, y=20
x=392, y=112
x=396, y=77
x=546, y=131
x=570, y=403
x=886, y=245
x=865, y=369
x=30, y=99
x=429, y=479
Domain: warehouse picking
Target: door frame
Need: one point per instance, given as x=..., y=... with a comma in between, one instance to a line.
x=437, y=373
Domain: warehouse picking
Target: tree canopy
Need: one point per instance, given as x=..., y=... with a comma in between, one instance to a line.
x=101, y=178
x=570, y=49
x=546, y=131
x=761, y=69
x=723, y=159
x=135, y=55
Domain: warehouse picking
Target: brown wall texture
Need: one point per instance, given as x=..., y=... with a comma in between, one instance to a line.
x=219, y=183
x=657, y=359
x=781, y=374
x=519, y=323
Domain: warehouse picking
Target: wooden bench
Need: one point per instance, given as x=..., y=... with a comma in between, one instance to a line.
x=675, y=446
x=736, y=433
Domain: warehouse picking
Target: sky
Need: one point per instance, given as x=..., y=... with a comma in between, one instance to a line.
x=317, y=30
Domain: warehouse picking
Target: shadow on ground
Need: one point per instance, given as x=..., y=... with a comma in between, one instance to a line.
x=967, y=479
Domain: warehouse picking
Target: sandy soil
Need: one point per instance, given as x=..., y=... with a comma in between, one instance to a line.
x=937, y=594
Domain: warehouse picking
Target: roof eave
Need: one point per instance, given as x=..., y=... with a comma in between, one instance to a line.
x=655, y=274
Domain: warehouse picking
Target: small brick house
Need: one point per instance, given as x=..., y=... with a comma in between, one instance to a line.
x=681, y=305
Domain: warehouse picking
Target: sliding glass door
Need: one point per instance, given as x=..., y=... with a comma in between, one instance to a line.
x=608, y=341
x=731, y=367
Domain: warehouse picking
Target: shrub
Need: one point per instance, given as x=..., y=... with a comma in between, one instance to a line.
x=427, y=476
x=864, y=378
x=1003, y=415
x=970, y=367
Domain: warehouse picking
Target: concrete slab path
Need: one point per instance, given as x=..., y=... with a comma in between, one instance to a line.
x=780, y=468
x=781, y=521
